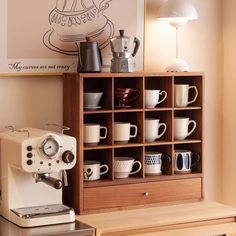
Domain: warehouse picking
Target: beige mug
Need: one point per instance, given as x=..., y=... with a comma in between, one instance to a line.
x=152, y=129
x=152, y=97
x=181, y=127
x=182, y=95
x=122, y=132
x=92, y=134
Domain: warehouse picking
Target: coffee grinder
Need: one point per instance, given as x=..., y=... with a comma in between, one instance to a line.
x=33, y=164
x=121, y=47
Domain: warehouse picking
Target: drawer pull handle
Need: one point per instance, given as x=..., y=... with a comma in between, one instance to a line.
x=146, y=194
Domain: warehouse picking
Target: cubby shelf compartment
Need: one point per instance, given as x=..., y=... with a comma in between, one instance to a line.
x=109, y=193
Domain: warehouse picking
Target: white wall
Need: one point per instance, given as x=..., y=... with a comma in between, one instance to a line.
x=229, y=111
x=36, y=101
x=201, y=45
x=30, y=101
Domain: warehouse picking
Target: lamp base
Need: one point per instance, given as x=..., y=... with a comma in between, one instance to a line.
x=178, y=65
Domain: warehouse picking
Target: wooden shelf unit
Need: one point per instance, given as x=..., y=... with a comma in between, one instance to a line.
x=109, y=193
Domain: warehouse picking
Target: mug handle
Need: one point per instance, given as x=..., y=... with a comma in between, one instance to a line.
x=105, y=171
x=133, y=98
x=135, y=131
x=165, y=163
x=165, y=127
x=194, y=126
x=165, y=96
x=197, y=158
x=196, y=95
x=136, y=171
x=105, y=135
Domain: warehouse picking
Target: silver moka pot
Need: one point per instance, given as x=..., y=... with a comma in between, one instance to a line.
x=123, y=49
x=89, y=57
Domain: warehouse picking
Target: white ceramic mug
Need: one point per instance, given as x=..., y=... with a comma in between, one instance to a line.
x=152, y=97
x=152, y=127
x=92, y=99
x=154, y=162
x=123, y=167
x=122, y=132
x=182, y=95
x=92, y=170
x=184, y=161
x=92, y=134
x=181, y=127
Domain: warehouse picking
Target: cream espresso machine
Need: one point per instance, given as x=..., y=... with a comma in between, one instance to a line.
x=33, y=164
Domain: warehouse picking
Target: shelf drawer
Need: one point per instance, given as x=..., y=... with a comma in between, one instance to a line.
x=140, y=194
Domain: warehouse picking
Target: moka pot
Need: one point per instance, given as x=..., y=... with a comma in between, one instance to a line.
x=121, y=47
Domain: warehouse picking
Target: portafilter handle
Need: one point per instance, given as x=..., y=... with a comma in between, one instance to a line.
x=53, y=182
x=45, y=178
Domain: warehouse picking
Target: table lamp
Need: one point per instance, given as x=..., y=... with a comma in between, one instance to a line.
x=177, y=13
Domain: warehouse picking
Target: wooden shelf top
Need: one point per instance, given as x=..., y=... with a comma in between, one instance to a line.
x=136, y=74
x=126, y=222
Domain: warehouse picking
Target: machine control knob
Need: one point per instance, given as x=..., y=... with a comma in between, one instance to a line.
x=29, y=155
x=29, y=148
x=29, y=162
x=68, y=157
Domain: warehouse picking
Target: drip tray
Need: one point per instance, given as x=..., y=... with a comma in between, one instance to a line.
x=70, y=229
x=42, y=211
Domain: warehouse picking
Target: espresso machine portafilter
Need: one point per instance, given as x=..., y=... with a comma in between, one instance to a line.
x=33, y=164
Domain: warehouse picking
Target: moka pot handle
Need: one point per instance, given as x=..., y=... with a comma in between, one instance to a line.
x=137, y=44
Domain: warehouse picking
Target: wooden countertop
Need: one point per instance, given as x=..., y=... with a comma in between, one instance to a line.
x=147, y=220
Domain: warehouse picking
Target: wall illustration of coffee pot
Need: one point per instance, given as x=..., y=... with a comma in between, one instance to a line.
x=55, y=28
x=72, y=20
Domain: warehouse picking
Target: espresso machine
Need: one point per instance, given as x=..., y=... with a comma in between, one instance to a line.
x=121, y=47
x=33, y=164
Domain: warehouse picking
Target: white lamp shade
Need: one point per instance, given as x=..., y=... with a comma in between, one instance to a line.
x=177, y=12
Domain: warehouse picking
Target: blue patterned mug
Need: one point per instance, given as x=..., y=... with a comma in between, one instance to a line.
x=155, y=162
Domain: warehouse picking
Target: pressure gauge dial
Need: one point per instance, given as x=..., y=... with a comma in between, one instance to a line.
x=50, y=146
